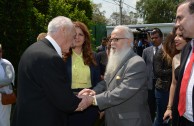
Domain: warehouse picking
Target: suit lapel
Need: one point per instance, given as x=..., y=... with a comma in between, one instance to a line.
x=127, y=57
x=151, y=54
x=46, y=41
x=68, y=63
x=184, y=57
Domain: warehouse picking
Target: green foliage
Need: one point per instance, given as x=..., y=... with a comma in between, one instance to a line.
x=41, y=5
x=98, y=16
x=39, y=18
x=69, y=9
x=82, y=5
x=157, y=11
x=56, y=9
x=80, y=16
x=75, y=9
x=40, y=24
x=15, y=28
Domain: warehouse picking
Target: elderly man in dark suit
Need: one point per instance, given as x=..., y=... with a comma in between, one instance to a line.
x=183, y=106
x=44, y=98
x=123, y=93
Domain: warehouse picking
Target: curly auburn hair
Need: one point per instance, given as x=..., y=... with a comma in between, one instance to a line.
x=169, y=48
x=87, y=52
x=169, y=45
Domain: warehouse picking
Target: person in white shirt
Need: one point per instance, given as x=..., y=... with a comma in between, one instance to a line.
x=7, y=76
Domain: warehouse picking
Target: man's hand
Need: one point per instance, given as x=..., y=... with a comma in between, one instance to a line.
x=87, y=92
x=85, y=103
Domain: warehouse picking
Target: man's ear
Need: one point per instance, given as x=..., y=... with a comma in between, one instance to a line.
x=130, y=40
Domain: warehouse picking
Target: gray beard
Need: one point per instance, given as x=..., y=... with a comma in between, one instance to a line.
x=115, y=59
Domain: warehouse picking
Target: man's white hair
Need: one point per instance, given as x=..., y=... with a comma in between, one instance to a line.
x=59, y=22
x=127, y=32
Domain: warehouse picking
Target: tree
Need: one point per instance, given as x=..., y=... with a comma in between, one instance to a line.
x=74, y=9
x=127, y=19
x=82, y=5
x=15, y=28
x=98, y=16
x=114, y=18
x=157, y=11
x=41, y=5
x=131, y=18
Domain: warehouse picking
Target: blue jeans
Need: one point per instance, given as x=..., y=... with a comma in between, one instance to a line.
x=161, y=103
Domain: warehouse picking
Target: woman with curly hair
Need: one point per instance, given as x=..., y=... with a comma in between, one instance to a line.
x=83, y=72
x=174, y=50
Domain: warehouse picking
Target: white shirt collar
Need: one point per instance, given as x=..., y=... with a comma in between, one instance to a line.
x=160, y=46
x=55, y=45
x=154, y=47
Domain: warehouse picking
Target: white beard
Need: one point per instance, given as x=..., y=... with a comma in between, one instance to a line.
x=115, y=58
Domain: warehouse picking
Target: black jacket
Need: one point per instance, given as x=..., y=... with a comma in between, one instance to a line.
x=44, y=98
x=162, y=71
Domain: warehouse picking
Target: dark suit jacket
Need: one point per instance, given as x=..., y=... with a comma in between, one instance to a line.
x=184, y=55
x=147, y=55
x=125, y=93
x=44, y=98
x=162, y=71
x=100, y=48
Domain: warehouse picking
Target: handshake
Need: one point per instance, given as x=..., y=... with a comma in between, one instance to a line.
x=87, y=99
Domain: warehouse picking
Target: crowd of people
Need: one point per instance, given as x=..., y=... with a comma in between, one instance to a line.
x=61, y=81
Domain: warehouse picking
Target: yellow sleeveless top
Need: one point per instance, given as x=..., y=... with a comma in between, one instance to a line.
x=81, y=77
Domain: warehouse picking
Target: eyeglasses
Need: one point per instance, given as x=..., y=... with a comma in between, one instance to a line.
x=116, y=39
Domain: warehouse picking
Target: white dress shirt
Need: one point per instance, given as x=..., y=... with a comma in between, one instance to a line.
x=2, y=73
x=8, y=72
x=159, y=47
x=55, y=45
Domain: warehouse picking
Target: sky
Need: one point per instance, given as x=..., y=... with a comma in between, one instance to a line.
x=110, y=6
